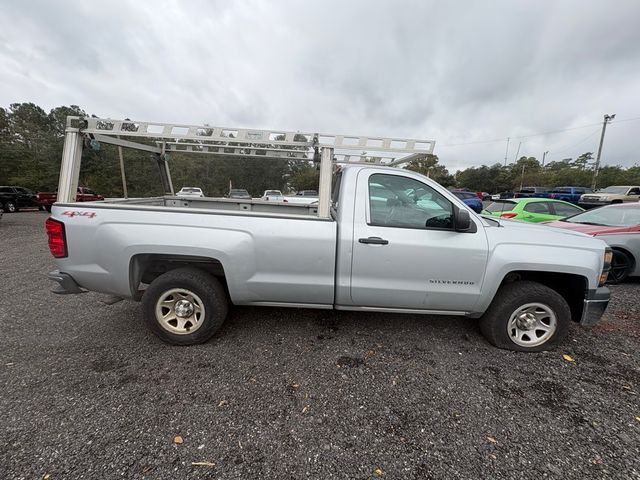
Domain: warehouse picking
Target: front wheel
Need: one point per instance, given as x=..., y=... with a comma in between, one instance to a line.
x=621, y=266
x=185, y=306
x=526, y=316
x=10, y=207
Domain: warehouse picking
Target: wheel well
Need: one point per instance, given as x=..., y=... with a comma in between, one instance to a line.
x=616, y=201
x=628, y=254
x=570, y=286
x=145, y=268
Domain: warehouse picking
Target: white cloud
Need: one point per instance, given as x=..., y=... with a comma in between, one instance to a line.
x=455, y=72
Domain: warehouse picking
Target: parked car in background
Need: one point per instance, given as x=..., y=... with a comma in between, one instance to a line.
x=610, y=195
x=568, y=194
x=619, y=226
x=501, y=195
x=190, y=192
x=307, y=193
x=46, y=199
x=303, y=197
x=470, y=199
x=484, y=196
x=239, y=193
x=14, y=198
x=273, y=196
x=530, y=192
x=534, y=210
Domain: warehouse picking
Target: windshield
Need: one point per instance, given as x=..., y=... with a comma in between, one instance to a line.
x=190, y=190
x=613, y=216
x=273, y=192
x=504, y=206
x=561, y=190
x=617, y=190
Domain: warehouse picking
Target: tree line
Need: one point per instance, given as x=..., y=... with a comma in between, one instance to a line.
x=31, y=142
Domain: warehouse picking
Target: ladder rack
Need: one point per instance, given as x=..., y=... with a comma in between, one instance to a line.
x=233, y=143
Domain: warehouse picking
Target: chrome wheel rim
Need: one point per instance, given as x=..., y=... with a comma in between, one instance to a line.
x=11, y=207
x=532, y=324
x=180, y=311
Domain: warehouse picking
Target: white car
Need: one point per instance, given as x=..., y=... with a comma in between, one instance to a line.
x=190, y=192
x=273, y=196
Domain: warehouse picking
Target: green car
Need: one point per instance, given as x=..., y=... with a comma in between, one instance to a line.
x=534, y=210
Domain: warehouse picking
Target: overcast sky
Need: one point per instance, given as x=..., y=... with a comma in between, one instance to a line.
x=452, y=71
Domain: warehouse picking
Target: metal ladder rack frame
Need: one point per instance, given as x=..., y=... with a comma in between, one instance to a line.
x=327, y=149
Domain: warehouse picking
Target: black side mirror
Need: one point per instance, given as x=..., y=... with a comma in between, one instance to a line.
x=462, y=219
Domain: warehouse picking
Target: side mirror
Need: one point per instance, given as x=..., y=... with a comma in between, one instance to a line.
x=462, y=219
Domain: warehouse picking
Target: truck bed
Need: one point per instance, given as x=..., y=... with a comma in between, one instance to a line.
x=271, y=254
x=218, y=204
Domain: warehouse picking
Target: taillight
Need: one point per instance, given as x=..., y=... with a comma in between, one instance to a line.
x=57, y=238
x=509, y=215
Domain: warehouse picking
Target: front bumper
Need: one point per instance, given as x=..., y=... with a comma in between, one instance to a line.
x=66, y=283
x=595, y=303
x=592, y=202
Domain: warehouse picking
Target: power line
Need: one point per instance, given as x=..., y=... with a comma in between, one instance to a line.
x=576, y=144
x=548, y=132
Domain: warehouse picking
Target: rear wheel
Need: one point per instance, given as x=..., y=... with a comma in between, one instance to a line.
x=185, y=306
x=526, y=316
x=621, y=266
x=47, y=208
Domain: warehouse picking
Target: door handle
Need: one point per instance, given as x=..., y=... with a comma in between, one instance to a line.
x=374, y=241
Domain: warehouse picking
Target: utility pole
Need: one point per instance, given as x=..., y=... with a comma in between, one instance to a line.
x=544, y=155
x=517, y=152
x=506, y=152
x=607, y=119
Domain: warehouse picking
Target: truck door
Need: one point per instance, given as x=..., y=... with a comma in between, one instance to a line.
x=406, y=254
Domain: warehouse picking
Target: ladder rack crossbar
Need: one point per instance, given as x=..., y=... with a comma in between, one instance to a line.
x=251, y=137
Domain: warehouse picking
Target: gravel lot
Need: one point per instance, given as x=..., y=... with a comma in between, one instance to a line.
x=87, y=392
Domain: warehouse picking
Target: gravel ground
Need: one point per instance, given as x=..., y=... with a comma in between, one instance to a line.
x=87, y=392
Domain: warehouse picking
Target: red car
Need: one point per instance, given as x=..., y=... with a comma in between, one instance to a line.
x=46, y=199
x=619, y=226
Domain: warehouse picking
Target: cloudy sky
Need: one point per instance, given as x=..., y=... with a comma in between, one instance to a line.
x=466, y=74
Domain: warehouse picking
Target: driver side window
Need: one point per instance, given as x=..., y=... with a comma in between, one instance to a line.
x=398, y=201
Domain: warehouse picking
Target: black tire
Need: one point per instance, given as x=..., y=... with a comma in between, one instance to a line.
x=10, y=207
x=47, y=208
x=509, y=298
x=206, y=287
x=621, y=266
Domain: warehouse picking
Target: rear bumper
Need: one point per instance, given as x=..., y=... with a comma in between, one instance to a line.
x=66, y=283
x=595, y=303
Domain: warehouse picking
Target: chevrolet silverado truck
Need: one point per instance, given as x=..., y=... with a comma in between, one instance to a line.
x=46, y=199
x=380, y=239
x=611, y=195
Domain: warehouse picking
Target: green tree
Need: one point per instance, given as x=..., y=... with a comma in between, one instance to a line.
x=428, y=165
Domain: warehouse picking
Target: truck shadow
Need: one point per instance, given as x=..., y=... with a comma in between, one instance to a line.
x=323, y=325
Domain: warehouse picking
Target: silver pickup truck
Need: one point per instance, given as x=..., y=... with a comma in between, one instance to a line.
x=386, y=240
